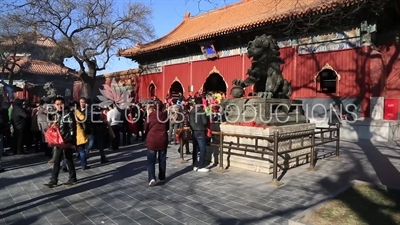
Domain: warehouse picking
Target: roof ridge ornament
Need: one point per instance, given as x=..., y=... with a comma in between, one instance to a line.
x=187, y=16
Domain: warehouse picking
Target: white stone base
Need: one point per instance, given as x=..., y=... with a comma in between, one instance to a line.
x=261, y=162
x=376, y=107
x=366, y=129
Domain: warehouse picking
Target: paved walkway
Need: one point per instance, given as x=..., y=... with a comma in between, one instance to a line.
x=117, y=193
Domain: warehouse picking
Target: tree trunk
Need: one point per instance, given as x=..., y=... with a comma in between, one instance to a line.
x=10, y=77
x=85, y=90
x=10, y=74
x=88, y=82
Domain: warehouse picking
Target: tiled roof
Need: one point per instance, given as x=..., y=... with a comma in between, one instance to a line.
x=122, y=73
x=41, y=67
x=32, y=37
x=240, y=16
x=45, y=68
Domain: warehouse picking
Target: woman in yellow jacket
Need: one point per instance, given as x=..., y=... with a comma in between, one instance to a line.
x=81, y=138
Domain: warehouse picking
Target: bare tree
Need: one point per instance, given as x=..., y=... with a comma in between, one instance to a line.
x=204, y=5
x=19, y=44
x=90, y=31
x=13, y=42
x=335, y=19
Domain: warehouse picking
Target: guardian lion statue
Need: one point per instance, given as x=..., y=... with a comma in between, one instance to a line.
x=265, y=62
x=51, y=91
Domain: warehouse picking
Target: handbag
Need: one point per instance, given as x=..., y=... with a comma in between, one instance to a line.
x=186, y=133
x=209, y=130
x=178, y=133
x=53, y=136
x=132, y=126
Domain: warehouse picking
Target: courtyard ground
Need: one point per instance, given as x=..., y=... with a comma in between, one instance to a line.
x=118, y=192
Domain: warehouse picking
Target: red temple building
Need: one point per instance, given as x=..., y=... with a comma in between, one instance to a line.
x=356, y=67
x=31, y=60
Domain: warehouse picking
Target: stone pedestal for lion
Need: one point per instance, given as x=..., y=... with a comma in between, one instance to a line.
x=255, y=161
x=269, y=112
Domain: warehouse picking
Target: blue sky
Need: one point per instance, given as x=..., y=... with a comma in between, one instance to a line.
x=167, y=14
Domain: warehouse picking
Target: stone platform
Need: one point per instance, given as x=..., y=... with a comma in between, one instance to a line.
x=271, y=112
x=365, y=129
x=261, y=162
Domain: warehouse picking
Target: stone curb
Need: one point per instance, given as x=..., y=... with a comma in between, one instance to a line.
x=296, y=220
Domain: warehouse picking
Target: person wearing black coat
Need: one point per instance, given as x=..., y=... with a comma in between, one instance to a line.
x=186, y=133
x=125, y=131
x=18, y=122
x=2, y=128
x=198, y=124
x=334, y=118
x=66, y=123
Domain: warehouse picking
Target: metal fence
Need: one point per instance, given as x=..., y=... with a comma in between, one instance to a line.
x=308, y=139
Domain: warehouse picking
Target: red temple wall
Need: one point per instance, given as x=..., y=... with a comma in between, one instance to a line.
x=300, y=70
x=176, y=73
x=385, y=72
x=350, y=64
x=363, y=74
x=229, y=68
x=146, y=80
x=353, y=66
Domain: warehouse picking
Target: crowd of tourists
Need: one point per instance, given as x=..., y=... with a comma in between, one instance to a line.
x=84, y=126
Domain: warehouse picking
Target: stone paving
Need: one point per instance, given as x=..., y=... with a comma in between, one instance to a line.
x=118, y=193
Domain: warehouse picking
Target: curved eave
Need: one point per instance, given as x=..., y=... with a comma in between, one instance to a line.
x=150, y=43
x=130, y=53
